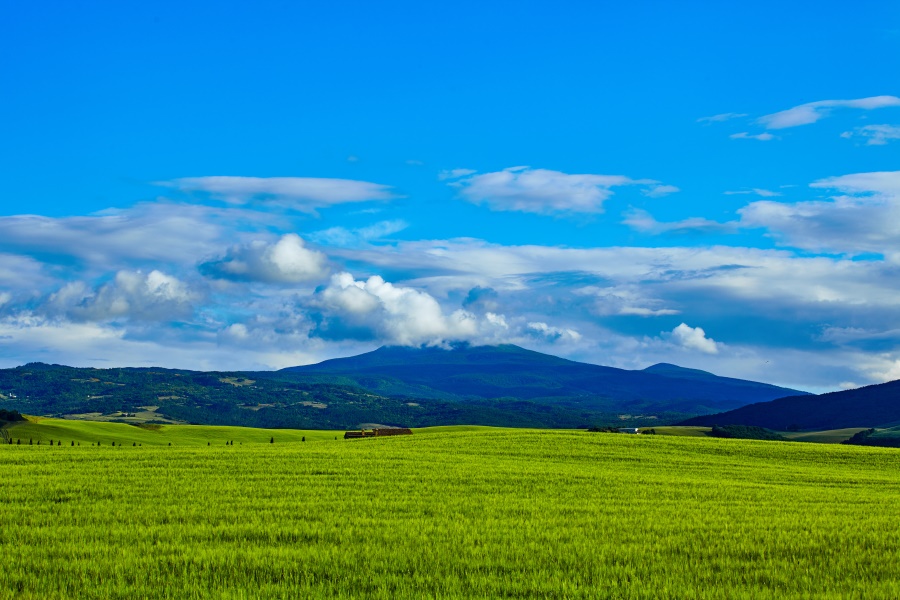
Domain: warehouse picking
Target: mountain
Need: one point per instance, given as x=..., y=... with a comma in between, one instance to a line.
x=413, y=387
x=870, y=406
x=466, y=372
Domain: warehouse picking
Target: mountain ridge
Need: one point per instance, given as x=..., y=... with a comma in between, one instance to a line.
x=467, y=372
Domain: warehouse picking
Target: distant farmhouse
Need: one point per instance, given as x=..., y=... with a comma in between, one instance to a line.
x=362, y=433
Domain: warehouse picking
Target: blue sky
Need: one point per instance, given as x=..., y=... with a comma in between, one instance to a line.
x=227, y=186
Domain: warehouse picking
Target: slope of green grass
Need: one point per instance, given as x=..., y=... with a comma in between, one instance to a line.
x=480, y=514
x=828, y=436
x=89, y=432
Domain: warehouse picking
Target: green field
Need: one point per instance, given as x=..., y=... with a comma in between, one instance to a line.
x=38, y=429
x=481, y=513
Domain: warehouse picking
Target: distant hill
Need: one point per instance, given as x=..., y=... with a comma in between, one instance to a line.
x=870, y=406
x=466, y=372
x=414, y=387
x=161, y=396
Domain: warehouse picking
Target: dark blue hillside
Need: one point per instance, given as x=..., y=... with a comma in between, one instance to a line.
x=870, y=406
x=465, y=372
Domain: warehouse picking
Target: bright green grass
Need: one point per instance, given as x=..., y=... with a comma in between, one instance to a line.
x=483, y=514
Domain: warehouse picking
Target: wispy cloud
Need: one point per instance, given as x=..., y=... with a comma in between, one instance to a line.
x=554, y=333
x=455, y=173
x=304, y=194
x=811, y=112
x=863, y=218
x=545, y=192
x=761, y=137
x=643, y=221
x=658, y=191
x=721, y=118
x=347, y=238
x=763, y=193
x=875, y=135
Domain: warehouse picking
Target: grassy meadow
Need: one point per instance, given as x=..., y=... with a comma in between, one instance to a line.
x=467, y=512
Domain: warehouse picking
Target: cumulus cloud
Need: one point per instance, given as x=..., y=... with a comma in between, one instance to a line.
x=154, y=296
x=811, y=112
x=693, y=338
x=543, y=191
x=875, y=135
x=348, y=238
x=643, y=221
x=286, y=261
x=377, y=309
x=760, y=137
x=304, y=194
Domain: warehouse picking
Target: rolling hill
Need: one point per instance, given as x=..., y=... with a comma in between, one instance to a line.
x=870, y=406
x=481, y=372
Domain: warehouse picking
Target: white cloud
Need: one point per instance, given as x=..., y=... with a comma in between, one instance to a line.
x=286, y=261
x=347, y=238
x=761, y=137
x=658, y=191
x=757, y=191
x=647, y=312
x=154, y=296
x=163, y=232
x=565, y=334
x=875, y=135
x=394, y=314
x=304, y=194
x=811, y=112
x=542, y=191
x=865, y=220
x=877, y=182
x=643, y=221
x=720, y=118
x=694, y=338
x=455, y=173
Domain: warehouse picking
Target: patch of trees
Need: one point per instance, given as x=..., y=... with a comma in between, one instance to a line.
x=10, y=416
x=745, y=432
x=867, y=437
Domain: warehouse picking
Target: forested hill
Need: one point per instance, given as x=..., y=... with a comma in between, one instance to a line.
x=265, y=400
x=467, y=372
x=870, y=406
